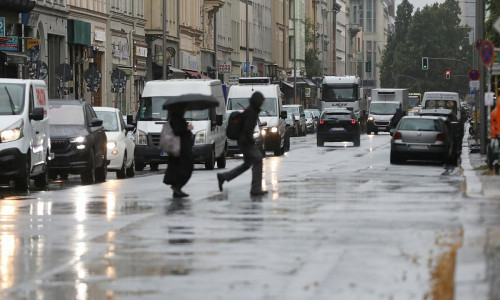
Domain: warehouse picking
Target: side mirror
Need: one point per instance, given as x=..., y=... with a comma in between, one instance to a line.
x=283, y=114
x=218, y=120
x=129, y=127
x=130, y=119
x=37, y=114
x=263, y=124
x=95, y=122
x=393, y=130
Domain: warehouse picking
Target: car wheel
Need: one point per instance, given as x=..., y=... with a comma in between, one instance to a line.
x=210, y=163
x=277, y=150
x=102, y=172
x=42, y=180
x=320, y=142
x=357, y=141
x=122, y=173
x=23, y=183
x=139, y=166
x=396, y=158
x=88, y=175
x=131, y=170
x=154, y=166
x=221, y=161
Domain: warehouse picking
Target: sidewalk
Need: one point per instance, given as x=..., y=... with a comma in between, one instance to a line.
x=477, y=272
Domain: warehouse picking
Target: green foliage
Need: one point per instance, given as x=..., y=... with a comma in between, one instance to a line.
x=313, y=65
x=434, y=32
x=493, y=7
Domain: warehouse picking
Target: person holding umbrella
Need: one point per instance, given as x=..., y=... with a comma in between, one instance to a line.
x=252, y=157
x=180, y=168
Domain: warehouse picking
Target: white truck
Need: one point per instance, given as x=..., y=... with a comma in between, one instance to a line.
x=383, y=105
x=343, y=92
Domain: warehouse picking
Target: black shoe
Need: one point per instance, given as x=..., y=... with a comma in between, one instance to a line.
x=221, y=180
x=178, y=193
x=258, y=193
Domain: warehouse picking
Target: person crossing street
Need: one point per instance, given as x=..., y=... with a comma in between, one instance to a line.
x=252, y=157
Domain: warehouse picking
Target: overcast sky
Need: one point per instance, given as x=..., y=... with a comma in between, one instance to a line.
x=419, y=3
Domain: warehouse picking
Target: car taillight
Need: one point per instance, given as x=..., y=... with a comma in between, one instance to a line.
x=353, y=121
x=397, y=136
x=322, y=122
x=440, y=138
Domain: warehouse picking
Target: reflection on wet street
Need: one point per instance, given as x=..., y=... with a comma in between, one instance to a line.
x=339, y=222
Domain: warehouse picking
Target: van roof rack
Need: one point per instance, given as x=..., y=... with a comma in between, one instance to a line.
x=254, y=80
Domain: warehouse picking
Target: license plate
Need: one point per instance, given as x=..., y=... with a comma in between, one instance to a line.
x=337, y=129
x=418, y=147
x=163, y=153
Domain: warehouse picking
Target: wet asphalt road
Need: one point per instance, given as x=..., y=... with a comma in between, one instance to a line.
x=339, y=223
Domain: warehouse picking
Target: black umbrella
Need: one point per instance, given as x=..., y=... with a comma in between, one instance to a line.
x=191, y=101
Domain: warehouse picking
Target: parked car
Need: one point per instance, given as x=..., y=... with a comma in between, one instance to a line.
x=292, y=124
x=78, y=141
x=120, y=148
x=258, y=135
x=338, y=125
x=422, y=138
x=298, y=110
x=311, y=121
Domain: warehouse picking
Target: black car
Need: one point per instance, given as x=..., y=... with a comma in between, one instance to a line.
x=338, y=125
x=78, y=141
x=292, y=124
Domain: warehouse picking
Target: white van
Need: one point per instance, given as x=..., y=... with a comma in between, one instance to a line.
x=210, y=143
x=272, y=112
x=448, y=100
x=24, y=132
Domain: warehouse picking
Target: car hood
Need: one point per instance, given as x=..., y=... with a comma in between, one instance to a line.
x=113, y=135
x=67, y=131
x=7, y=121
x=271, y=121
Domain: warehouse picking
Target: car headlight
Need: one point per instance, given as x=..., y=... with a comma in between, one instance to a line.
x=263, y=132
x=274, y=129
x=111, y=145
x=370, y=119
x=200, y=137
x=13, y=132
x=142, y=138
x=79, y=140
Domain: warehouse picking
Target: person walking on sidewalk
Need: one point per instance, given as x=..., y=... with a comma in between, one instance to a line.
x=252, y=157
x=180, y=168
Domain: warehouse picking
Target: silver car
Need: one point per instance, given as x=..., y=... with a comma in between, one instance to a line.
x=422, y=138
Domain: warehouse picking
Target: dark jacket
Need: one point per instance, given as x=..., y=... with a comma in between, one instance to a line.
x=250, y=117
x=398, y=115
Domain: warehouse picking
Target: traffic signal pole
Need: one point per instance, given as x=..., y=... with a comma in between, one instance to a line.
x=480, y=99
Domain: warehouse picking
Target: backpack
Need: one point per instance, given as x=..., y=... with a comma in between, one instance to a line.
x=234, y=125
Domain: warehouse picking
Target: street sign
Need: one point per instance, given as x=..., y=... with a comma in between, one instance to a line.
x=474, y=74
x=233, y=79
x=33, y=43
x=2, y=26
x=486, y=51
x=224, y=66
x=474, y=85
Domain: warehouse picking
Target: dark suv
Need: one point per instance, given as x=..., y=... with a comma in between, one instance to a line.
x=78, y=141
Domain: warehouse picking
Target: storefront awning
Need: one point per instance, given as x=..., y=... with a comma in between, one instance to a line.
x=79, y=32
x=195, y=74
x=19, y=6
x=13, y=58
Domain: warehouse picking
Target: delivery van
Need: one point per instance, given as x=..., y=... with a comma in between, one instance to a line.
x=272, y=113
x=209, y=129
x=24, y=132
x=447, y=100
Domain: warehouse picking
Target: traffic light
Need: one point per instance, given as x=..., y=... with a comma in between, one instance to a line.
x=447, y=74
x=425, y=63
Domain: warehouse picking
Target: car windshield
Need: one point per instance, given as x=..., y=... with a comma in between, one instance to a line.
x=447, y=104
x=336, y=116
x=339, y=94
x=66, y=115
x=309, y=115
x=197, y=115
x=268, y=108
x=383, y=108
x=109, y=120
x=291, y=109
x=419, y=125
x=11, y=98
x=151, y=109
x=413, y=101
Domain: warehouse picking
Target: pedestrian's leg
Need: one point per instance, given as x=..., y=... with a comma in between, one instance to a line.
x=256, y=158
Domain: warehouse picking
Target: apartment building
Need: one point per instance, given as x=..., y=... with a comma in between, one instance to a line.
x=280, y=35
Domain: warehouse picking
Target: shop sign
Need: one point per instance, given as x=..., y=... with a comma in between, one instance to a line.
x=33, y=20
x=33, y=43
x=120, y=50
x=9, y=43
x=100, y=36
x=141, y=51
x=224, y=66
x=2, y=26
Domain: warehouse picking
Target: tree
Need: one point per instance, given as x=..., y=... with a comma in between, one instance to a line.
x=313, y=65
x=493, y=7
